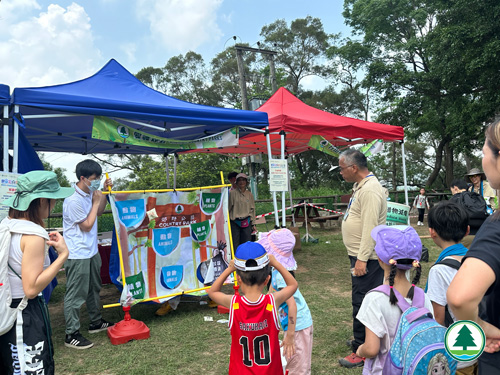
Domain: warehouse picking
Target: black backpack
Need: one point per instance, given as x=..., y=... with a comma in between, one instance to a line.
x=474, y=204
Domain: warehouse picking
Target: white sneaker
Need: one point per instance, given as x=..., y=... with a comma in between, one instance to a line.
x=419, y=223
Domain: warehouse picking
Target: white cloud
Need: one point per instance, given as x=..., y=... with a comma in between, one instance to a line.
x=51, y=47
x=181, y=25
x=130, y=50
x=312, y=82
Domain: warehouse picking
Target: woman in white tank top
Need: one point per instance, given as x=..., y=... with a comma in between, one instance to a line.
x=30, y=272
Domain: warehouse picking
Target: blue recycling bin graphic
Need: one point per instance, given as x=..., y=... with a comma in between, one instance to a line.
x=131, y=212
x=166, y=240
x=171, y=276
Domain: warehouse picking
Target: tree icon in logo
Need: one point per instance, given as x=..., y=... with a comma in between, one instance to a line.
x=122, y=131
x=464, y=338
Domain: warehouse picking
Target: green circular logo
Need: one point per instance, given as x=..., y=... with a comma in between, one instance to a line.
x=122, y=131
x=464, y=340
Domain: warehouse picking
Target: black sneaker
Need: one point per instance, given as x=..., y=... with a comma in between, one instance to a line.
x=77, y=341
x=99, y=326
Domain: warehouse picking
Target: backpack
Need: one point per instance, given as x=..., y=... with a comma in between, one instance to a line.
x=419, y=340
x=453, y=263
x=474, y=204
x=10, y=316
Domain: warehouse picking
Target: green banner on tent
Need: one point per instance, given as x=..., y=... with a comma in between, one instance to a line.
x=107, y=129
x=320, y=143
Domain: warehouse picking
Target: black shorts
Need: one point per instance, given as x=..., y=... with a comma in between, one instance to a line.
x=37, y=338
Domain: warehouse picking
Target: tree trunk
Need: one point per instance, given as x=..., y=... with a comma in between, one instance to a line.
x=300, y=167
x=437, y=163
x=448, y=159
x=467, y=163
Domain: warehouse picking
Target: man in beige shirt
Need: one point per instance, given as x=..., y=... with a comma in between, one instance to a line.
x=366, y=209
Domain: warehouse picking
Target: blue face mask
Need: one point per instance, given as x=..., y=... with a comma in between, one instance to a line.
x=94, y=185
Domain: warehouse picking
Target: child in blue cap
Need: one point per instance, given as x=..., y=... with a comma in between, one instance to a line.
x=399, y=249
x=253, y=318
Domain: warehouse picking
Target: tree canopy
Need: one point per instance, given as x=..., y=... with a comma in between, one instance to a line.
x=430, y=66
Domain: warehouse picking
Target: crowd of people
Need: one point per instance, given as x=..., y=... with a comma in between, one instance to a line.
x=461, y=285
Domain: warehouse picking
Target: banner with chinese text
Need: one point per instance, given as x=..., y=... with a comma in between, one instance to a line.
x=171, y=242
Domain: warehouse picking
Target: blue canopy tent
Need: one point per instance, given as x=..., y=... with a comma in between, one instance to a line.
x=59, y=118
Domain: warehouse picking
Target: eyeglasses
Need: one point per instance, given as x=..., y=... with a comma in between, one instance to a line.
x=342, y=168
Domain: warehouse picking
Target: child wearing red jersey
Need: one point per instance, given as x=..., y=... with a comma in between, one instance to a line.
x=253, y=318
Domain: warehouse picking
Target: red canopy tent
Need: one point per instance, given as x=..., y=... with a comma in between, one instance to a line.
x=299, y=121
x=291, y=124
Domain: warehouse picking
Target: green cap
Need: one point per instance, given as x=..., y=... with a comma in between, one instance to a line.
x=37, y=184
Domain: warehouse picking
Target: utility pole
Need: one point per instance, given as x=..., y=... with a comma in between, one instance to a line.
x=241, y=70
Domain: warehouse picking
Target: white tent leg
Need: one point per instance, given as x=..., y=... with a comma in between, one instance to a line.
x=291, y=200
x=404, y=175
x=275, y=201
x=175, y=171
x=16, y=143
x=167, y=171
x=6, y=138
x=283, y=193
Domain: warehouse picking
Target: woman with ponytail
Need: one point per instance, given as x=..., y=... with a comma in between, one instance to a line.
x=398, y=249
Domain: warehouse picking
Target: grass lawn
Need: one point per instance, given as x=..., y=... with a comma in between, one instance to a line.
x=183, y=343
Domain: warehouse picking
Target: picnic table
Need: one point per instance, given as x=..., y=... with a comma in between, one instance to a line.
x=313, y=215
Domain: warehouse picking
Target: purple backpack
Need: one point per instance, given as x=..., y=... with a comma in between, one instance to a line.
x=419, y=341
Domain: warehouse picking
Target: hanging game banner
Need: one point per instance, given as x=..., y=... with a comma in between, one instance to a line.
x=107, y=129
x=171, y=242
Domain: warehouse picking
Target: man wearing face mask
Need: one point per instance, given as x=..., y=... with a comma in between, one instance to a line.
x=83, y=279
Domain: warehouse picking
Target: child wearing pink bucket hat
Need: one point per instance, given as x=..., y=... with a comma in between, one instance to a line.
x=294, y=314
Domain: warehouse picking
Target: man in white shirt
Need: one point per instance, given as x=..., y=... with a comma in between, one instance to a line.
x=83, y=279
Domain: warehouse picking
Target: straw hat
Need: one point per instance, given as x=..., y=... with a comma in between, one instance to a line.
x=37, y=184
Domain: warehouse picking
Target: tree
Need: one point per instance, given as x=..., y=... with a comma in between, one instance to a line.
x=225, y=76
x=416, y=70
x=60, y=172
x=152, y=77
x=300, y=47
x=348, y=58
x=187, y=78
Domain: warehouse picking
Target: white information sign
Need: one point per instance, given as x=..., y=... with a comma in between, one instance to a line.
x=8, y=185
x=278, y=171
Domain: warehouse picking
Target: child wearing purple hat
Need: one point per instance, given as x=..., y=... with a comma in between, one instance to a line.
x=399, y=249
x=294, y=314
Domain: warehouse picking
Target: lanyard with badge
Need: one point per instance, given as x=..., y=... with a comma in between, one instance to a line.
x=353, y=198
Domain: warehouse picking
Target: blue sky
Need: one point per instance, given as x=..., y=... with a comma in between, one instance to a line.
x=52, y=42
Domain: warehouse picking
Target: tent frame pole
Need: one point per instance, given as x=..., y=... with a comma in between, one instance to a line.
x=6, y=138
x=275, y=201
x=167, y=171
x=175, y=171
x=15, y=164
x=283, y=193
x=404, y=174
